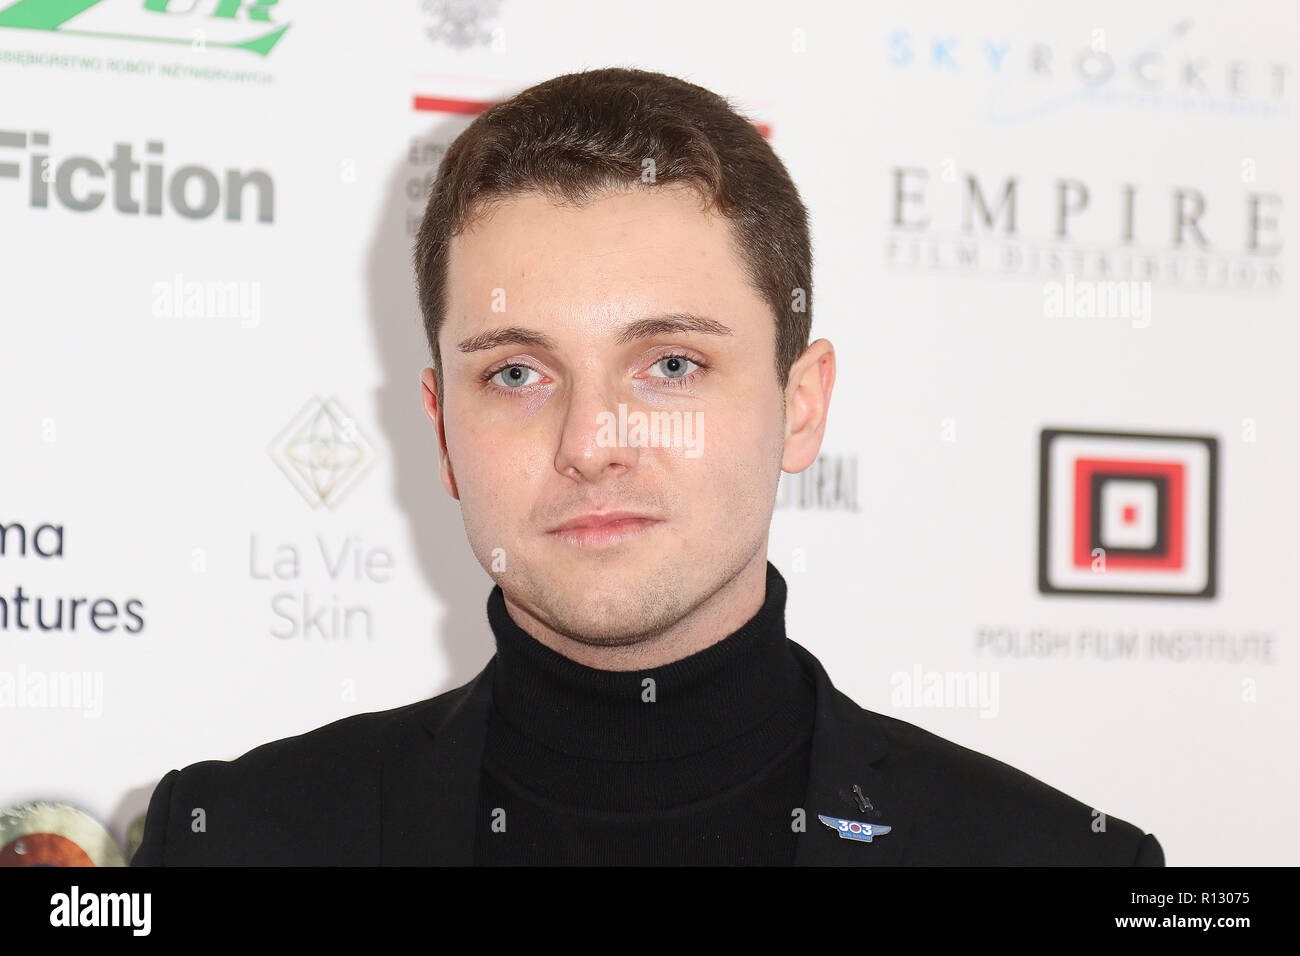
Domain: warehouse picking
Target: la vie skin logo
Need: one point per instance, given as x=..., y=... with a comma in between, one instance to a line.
x=199, y=24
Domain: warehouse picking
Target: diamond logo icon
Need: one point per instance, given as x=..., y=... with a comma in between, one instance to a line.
x=322, y=452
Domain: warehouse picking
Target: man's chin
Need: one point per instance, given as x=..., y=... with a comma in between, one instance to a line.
x=599, y=604
x=608, y=584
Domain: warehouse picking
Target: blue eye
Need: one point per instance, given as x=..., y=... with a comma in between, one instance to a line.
x=674, y=366
x=513, y=376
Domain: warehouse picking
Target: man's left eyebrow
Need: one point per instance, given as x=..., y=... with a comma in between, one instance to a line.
x=669, y=324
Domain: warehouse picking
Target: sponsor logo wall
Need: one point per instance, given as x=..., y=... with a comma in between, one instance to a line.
x=1052, y=519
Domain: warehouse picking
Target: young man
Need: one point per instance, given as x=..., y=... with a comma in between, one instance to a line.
x=614, y=271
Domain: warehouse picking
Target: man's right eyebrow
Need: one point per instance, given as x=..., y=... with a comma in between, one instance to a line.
x=508, y=335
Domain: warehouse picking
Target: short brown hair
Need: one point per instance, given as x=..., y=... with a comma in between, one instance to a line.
x=577, y=136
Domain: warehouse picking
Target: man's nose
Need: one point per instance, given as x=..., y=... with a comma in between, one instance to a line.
x=591, y=441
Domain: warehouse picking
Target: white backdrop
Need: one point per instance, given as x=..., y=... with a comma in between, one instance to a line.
x=217, y=402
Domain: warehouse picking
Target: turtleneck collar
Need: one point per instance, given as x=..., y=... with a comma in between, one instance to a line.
x=748, y=685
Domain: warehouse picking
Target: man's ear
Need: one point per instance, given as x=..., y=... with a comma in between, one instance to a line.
x=429, y=398
x=807, y=401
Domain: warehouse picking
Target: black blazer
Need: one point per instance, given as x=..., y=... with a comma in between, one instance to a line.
x=400, y=787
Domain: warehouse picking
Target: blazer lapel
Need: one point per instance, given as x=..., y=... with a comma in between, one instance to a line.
x=848, y=748
x=430, y=781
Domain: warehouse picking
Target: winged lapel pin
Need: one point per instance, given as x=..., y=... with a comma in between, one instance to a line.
x=854, y=829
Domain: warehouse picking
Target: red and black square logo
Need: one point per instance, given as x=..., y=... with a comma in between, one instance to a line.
x=1127, y=513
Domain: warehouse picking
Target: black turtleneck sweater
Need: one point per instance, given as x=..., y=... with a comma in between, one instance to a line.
x=580, y=768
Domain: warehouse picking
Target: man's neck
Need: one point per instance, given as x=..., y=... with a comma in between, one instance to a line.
x=718, y=615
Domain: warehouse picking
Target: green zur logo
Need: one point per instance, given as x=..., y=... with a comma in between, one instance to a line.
x=152, y=21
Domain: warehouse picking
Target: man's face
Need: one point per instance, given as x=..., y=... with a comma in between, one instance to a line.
x=532, y=428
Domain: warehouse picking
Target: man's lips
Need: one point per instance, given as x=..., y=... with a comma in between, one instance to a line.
x=600, y=520
x=604, y=529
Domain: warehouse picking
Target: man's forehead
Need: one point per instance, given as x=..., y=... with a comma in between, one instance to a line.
x=634, y=256
x=625, y=230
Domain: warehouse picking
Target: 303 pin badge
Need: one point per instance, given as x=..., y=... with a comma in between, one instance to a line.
x=854, y=829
